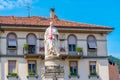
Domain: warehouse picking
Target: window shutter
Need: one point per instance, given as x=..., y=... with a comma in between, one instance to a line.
x=31, y=39
x=73, y=64
x=92, y=63
x=12, y=43
x=72, y=40
x=12, y=66
x=31, y=62
x=92, y=45
x=91, y=42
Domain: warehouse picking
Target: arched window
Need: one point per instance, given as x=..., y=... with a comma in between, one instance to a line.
x=91, y=42
x=72, y=44
x=31, y=40
x=11, y=41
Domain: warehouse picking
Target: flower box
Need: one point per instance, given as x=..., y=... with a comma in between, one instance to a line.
x=12, y=74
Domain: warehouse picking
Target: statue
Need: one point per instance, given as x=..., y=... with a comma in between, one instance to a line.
x=51, y=41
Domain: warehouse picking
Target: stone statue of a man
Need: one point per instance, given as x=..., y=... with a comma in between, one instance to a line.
x=51, y=41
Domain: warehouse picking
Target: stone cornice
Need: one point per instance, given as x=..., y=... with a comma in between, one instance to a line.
x=82, y=57
x=61, y=29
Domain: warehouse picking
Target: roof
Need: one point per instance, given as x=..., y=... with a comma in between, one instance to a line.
x=42, y=21
x=111, y=62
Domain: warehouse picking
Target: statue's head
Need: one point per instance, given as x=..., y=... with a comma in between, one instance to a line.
x=51, y=23
x=54, y=29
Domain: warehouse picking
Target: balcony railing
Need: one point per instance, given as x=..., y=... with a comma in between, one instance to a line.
x=38, y=51
x=75, y=54
x=34, y=52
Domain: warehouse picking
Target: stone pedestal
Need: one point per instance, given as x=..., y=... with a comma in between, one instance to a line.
x=54, y=70
x=52, y=61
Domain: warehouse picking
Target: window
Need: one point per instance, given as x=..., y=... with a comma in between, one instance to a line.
x=92, y=67
x=31, y=40
x=12, y=66
x=32, y=67
x=91, y=42
x=72, y=44
x=73, y=68
x=12, y=41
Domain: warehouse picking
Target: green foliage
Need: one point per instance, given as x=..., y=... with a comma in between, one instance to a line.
x=31, y=73
x=26, y=46
x=116, y=60
x=73, y=74
x=93, y=74
x=78, y=49
x=12, y=74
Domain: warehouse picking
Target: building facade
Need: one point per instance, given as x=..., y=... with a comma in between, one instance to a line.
x=83, y=49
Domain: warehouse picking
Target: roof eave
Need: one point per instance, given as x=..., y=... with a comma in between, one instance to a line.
x=60, y=28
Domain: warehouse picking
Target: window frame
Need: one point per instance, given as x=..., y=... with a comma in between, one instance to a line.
x=95, y=42
x=70, y=67
x=90, y=67
x=34, y=36
x=16, y=67
x=12, y=47
x=35, y=66
x=31, y=47
x=73, y=49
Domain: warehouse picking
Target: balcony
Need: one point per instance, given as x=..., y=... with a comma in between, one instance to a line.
x=33, y=52
x=75, y=55
x=64, y=53
x=38, y=52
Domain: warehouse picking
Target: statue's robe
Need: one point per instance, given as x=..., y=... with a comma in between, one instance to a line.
x=51, y=41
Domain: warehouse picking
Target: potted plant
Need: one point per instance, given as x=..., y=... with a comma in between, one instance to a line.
x=25, y=47
x=93, y=74
x=31, y=73
x=74, y=74
x=79, y=50
x=12, y=74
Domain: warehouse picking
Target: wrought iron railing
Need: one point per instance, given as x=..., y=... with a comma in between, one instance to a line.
x=41, y=50
x=33, y=50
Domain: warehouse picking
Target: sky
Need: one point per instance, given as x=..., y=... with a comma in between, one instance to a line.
x=100, y=12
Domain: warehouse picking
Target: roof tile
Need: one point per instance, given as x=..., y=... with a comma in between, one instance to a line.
x=42, y=21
